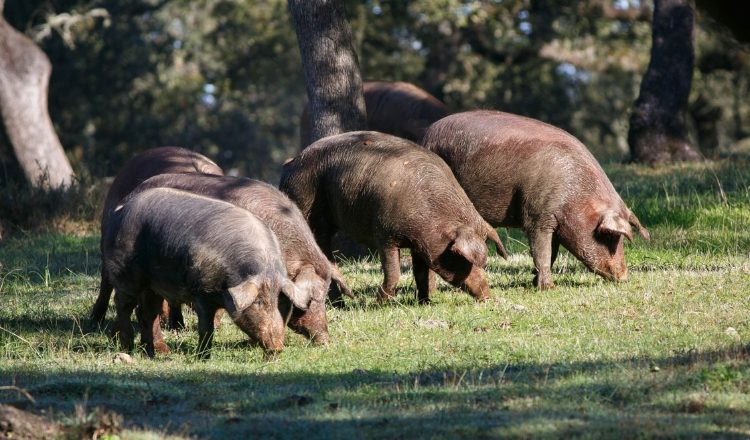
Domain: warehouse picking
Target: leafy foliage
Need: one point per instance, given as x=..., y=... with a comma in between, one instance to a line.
x=224, y=77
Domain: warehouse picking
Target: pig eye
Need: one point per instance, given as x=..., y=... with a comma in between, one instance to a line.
x=611, y=241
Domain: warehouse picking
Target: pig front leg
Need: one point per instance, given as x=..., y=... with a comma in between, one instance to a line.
x=206, y=313
x=540, y=242
x=423, y=277
x=555, y=249
x=389, y=260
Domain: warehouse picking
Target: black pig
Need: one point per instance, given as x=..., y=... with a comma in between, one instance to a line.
x=388, y=193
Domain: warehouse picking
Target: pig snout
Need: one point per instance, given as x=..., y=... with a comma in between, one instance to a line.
x=613, y=270
x=476, y=284
x=265, y=330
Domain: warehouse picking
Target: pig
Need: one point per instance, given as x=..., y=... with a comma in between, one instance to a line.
x=167, y=243
x=523, y=173
x=387, y=193
x=305, y=263
x=398, y=108
x=149, y=163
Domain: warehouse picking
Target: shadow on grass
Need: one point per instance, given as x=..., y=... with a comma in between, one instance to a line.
x=526, y=400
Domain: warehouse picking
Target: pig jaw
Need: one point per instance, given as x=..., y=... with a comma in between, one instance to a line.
x=311, y=323
x=460, y=273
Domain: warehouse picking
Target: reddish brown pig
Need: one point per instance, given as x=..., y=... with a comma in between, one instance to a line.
x=388, y=193
x=147, y=164
x=305, y=263
x=523, y=173
x=398, y=108
x=188, y=248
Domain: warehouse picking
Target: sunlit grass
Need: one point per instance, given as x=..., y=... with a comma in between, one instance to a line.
x=664, y=355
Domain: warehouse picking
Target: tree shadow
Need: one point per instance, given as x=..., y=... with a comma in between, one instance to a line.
x=525, y=399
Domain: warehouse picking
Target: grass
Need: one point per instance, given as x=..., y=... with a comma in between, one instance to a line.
x=665, y=355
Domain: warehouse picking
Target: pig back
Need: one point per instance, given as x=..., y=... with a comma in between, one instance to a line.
x=264, y=201
x=514, y=169
x=179, y=242
x=152, y=162
x=367, y=182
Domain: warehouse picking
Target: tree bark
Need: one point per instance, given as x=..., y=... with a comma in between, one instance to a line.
x=24, y=77
x=334, y=84
x=657, y=125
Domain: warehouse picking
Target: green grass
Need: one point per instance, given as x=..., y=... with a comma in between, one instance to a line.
x=664, y=355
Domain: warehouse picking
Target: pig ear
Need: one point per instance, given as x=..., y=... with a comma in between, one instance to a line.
x=309, y=284
x=493, y=237
x=612, y=224
x=643, y=232
x=468, y=245
x=338, y=279
x=241, y=296
x=299, y=297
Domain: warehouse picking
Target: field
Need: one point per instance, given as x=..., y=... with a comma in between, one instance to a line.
x=664, y=355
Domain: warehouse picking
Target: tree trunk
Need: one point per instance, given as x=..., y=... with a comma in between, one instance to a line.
x=24, y=76
x=657, y=125
x=334, y=85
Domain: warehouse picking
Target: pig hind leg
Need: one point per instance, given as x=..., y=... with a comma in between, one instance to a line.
x=150, y=305
x=324, y=238
x=423, y=277
x=99, y=310
x=540, y=242
x=122, y=331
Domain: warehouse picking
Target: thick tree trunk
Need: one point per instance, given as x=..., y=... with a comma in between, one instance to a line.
x=334, y=84
x=657, y=125
x=24, y=76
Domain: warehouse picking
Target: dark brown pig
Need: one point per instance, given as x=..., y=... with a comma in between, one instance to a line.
x=166, y=243
x=147, y=164
x=523, y=173
x=388, y=193
x=305, y=263
x=398, y=108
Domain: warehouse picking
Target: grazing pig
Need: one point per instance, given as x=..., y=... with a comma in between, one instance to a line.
x=306, y=265
x=150, y=163
x=523, y=173
x=388, y=193
x=398, y=108
x=185, y=247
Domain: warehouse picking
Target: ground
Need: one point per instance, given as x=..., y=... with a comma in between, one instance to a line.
x=664, y=355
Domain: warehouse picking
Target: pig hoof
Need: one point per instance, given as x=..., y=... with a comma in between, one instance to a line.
x=384, y=296
x=543, y=284
x=161, y=347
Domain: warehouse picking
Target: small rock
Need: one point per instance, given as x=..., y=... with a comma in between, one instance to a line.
x=122, y=358
x=518, y=308
x=732, y=333
x=432, y=323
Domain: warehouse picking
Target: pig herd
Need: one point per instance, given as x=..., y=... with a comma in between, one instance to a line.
x=175, y=230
